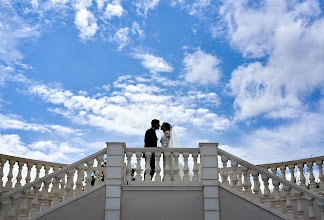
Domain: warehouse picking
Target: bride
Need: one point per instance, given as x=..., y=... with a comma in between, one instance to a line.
x=169, y=140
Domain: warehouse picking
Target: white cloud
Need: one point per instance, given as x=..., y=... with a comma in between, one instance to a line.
x=86, y=23
x=114, y=9
x=197, y=8
x=13, y=31
x=130, y=108
x=11, y=144
x=121, y=37
x=15, y=122
x=143, y=6
x=300, y=139
x=294, y=67
x=137, y=29
x=201, y=68
x=153, y=64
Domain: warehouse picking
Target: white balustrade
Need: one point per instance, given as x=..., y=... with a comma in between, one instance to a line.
x=307, y=178
x=290, y=201
x=55, y=189
x=178, y=165
x=19, y=171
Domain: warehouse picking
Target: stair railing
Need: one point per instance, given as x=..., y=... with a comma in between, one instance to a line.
x=20, y=171
x=301, y=171
x=252, y=178
x=66, y=183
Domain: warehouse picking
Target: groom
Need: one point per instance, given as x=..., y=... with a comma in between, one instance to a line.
x=151, y=141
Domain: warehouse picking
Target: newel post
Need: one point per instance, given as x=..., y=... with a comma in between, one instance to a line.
x=114, y=179
x=209, y=178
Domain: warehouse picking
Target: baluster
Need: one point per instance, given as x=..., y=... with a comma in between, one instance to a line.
x=69, y=183
x=138, y=176
x=224, y=174
x=311, y=176
x=19, y=177
x=29, y=167
x=277, y=195
x=310, y=201
x=47, y=168
x=300, y=209
x=245, y=181
x=186, y=177
x=176, y=167
x=9, y=176
x=129, y=167
x=23, y=207
x=274, y=170
x=265, y=180
x=321, y=207
x=38, y=168
x=3, y=205
x=249, y=181
x=12, y=213
x=240, y=184
x=2, y=161
x=234, y=179
x=89, y=173
x=195, y=176
x=292, y=173
x=34, y=205
x=167, y=176
x=256, y=188
x=62, y=184
x=290, y=212
x=79, y=181
x=54, y=180
x=148, y=166
x=98, y=173
x=158, y=167
x=56, y=199
x=283, y=171
x=301, y=176
x=320, y=175
x=230, y=177
x=44, y=205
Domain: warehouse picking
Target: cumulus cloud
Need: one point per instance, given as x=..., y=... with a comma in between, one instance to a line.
x=295, y=61
x=130, y=107
x=153, y=63
x=86, y=23
x=201, y=68
x=11, y=144
x=114, y=9
x=299, y=139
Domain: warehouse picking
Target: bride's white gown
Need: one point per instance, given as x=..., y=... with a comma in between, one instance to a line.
x=165, y=141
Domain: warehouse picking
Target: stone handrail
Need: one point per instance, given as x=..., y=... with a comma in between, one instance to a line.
x=24, y=165
x=61, y=181
x=173, y=169
x=17, y=176
x=258, y=195
x=296, y=166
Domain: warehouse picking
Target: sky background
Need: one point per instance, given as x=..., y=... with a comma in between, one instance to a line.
x=246, y=74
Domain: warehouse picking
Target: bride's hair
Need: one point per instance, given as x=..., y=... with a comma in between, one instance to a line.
x=167, y=126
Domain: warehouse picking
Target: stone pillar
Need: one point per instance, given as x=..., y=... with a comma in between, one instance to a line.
x=114, y=179
x=209, y=178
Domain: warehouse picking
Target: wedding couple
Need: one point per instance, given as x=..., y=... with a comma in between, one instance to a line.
x=168, y=140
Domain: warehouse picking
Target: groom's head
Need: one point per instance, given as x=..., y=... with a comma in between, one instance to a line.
x=155, y=124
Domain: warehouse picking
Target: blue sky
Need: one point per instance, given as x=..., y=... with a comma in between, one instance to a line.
x=246, y=74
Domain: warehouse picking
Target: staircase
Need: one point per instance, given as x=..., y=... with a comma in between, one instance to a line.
x=114, y=183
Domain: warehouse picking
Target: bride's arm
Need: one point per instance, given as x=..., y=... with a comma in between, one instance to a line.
x=167, y=134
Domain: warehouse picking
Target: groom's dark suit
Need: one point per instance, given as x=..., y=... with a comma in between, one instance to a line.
x=151, y=141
